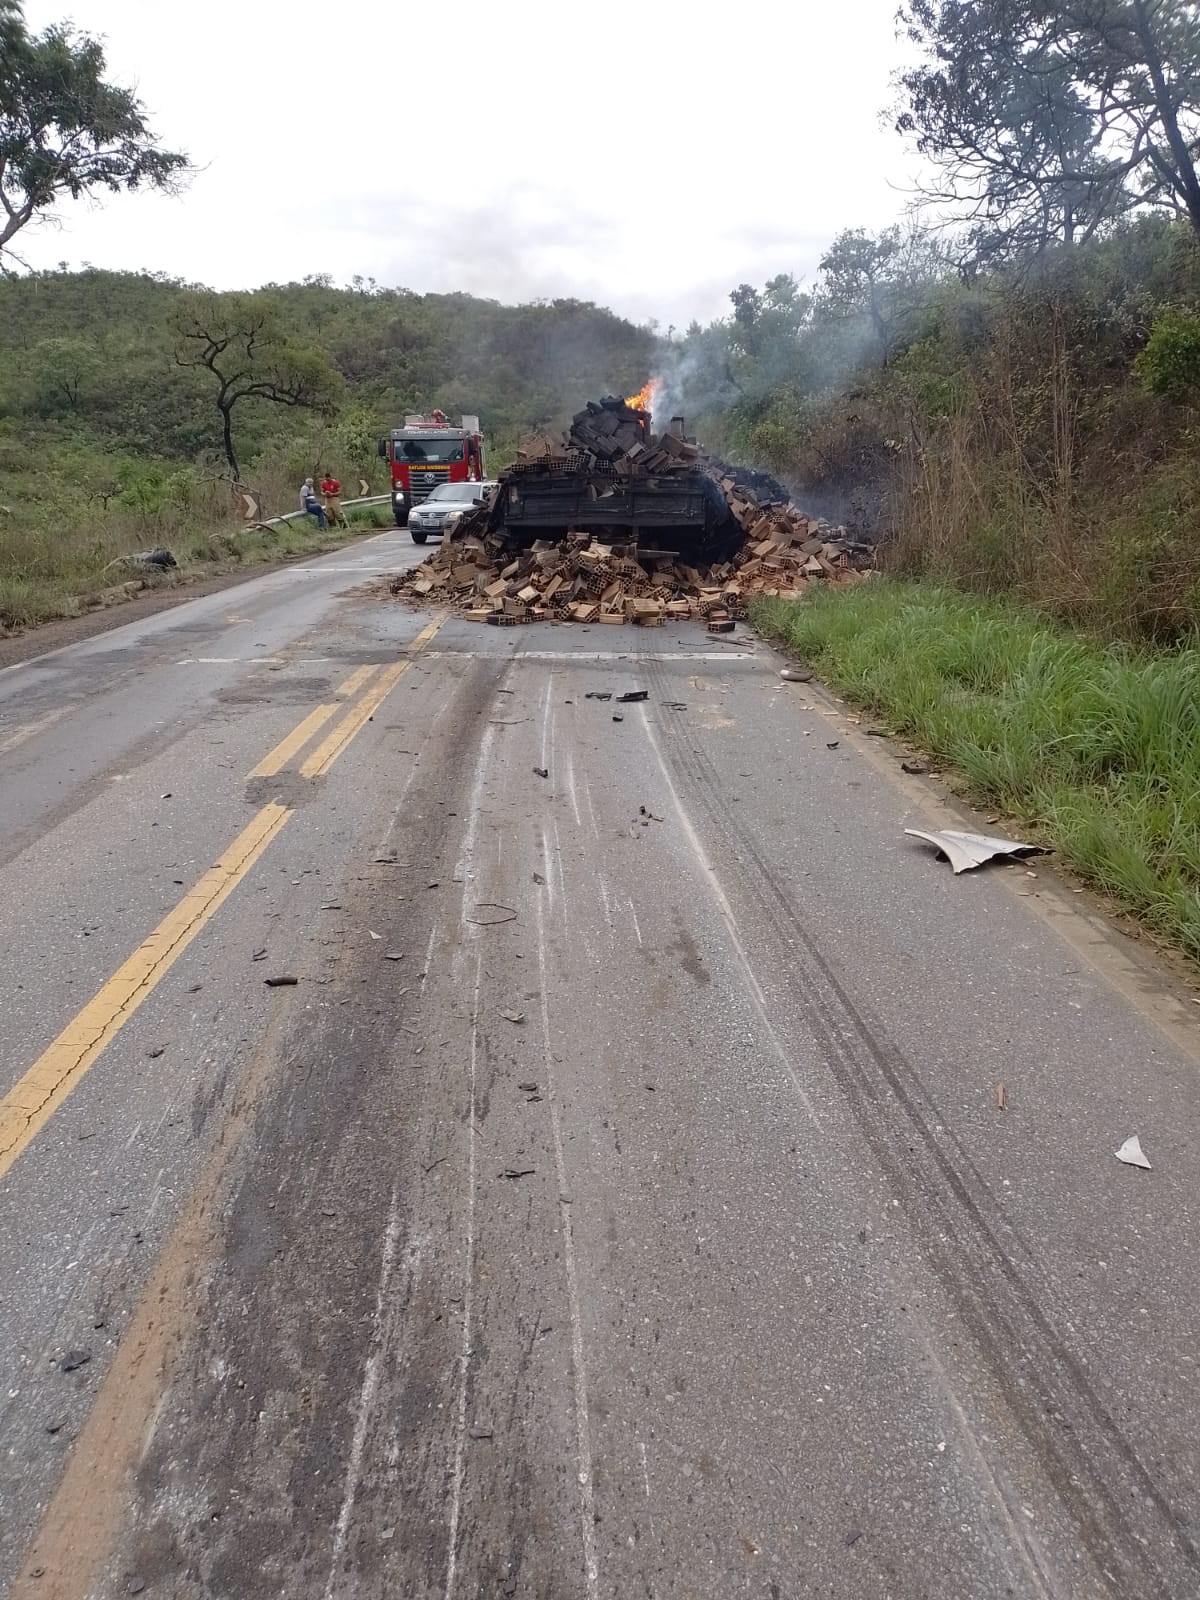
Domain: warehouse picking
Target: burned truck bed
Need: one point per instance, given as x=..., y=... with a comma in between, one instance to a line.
x=680, y=513
x=642, y=492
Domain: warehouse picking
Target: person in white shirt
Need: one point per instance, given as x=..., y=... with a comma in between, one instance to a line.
x=310, y=504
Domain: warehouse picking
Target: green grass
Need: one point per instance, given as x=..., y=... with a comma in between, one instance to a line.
x=1097, y=749
x=371, y=517
x=69, y=511
x=54, y=573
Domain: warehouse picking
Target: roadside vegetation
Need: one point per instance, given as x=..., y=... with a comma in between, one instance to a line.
x=43, y=578
x=1008, y=395
x=1095, y=747
x=1026, y=428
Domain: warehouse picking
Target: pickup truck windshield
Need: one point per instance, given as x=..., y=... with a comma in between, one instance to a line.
x=434, y=451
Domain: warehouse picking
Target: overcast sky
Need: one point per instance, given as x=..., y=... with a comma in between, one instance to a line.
x=647, y=158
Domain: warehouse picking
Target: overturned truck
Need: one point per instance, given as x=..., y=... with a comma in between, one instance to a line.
x=648, y=494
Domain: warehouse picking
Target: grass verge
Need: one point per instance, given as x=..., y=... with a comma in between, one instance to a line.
x=39, y=583
x=1097, y=749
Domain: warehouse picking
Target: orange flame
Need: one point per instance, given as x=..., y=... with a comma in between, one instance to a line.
x=644, y=399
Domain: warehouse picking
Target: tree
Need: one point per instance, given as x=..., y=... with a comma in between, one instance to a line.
x=882, y=280
x=764, y=333
x=1049, y=121
x=1170, y=363
x=240, y=339
x=356, y=435
x=11, y=28
x=64, y=369
x=63, y=129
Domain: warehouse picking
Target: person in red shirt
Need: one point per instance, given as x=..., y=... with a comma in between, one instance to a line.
x=332, y=490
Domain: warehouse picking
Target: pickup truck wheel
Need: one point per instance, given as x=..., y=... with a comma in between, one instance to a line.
x=419, y=535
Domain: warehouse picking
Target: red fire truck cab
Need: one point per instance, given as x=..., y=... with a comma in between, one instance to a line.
x=429, y=450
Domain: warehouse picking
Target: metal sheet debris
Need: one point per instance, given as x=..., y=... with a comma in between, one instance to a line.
x=1132, y=1154
x=965, y=851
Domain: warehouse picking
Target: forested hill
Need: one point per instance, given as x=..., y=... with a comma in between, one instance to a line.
x=93, y=353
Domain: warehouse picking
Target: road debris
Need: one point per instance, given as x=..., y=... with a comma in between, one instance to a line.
x=1132, y=1154
x=260, y=955
x=541, y=772
x=1001, y=1104
x=618, y=719
x=376, y=936
x=156, y=1051
x=74, y=1359
x=283, y=981
x=538, y=879
x=965, y=851
x=632, y=696
x=796, y=675
x=594, y=694
x=518, y=1172
x=393, y=955
x=512, y=1015
x=160, y=559
x=915, y=769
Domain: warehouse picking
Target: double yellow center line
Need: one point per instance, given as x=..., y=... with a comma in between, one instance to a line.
x=34, y=1099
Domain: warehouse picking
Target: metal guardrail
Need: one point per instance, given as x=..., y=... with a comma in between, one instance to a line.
x=290, y=516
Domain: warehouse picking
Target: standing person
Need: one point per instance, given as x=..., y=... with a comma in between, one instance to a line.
x=310, y=505
x=332, y=490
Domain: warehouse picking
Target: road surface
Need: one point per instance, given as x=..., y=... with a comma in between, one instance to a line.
x=618, y=1204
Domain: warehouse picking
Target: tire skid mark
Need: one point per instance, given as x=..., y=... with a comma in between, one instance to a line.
x=945, y=1204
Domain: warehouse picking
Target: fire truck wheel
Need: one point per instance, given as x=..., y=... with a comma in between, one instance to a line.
x=419, y=535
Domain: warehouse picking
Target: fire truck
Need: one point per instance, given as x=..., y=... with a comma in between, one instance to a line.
x=429, y=450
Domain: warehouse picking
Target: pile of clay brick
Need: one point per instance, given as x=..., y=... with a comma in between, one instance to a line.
x=581, y=580
x=615, y=432
x=488, y=572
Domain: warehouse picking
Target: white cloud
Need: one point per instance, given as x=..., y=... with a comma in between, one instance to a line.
x=648, y=159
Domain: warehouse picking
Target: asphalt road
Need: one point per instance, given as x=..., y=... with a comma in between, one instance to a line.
x=618, y=1204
